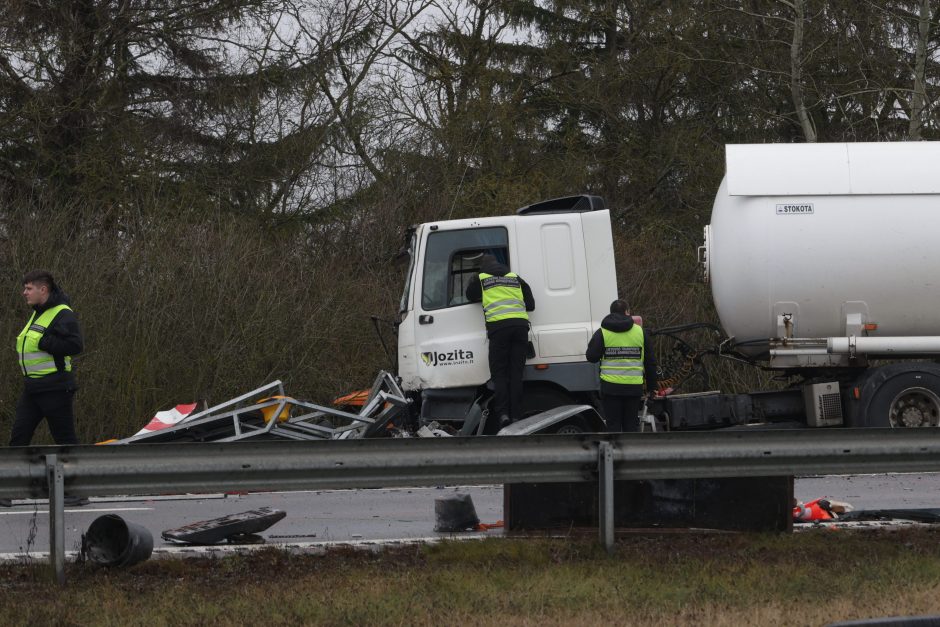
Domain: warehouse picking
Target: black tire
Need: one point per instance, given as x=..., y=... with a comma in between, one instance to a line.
x=541, y=399
x=573, y=426
x=904, y=395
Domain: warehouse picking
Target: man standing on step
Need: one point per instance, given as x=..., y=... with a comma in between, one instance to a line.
x=506, y=299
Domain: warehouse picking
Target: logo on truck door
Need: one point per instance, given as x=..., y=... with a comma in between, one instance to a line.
x=458, y=357
x=795, y=209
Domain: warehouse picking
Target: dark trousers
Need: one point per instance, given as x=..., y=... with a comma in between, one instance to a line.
x=55, y=407
x=622, y=413
x=508, y=347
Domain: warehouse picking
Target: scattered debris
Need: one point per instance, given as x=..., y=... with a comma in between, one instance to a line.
x=455, y=513
x=819, y=509
x=238, y=528
x=927, y=515
x=112, y=541
x=433, y=430
x=268, y=412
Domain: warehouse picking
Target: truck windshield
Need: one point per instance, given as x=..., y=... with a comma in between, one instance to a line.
x=452, y=260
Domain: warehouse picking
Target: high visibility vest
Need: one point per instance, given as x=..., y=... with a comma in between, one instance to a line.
x=623, y=356
x=35, y=362
x=502, y=297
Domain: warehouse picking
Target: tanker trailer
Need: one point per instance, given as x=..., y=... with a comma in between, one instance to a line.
x=823, y=258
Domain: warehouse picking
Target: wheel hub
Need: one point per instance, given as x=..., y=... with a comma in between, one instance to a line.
x=915, y=407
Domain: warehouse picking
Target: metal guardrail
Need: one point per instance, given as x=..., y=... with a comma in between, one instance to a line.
x=161, y=468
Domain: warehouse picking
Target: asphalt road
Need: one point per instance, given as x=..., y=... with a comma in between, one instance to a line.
x=347, y=516
x=369, y=516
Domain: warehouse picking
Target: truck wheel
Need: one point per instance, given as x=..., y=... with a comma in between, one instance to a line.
x=571, y=428
x=538, y=400
x=902, y=396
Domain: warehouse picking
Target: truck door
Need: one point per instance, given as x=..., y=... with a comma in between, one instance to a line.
x=554, y=263
x=450, y=338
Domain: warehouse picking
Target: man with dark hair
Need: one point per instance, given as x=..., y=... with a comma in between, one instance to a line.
x=506, y=299
x=44, y=349
x=623, y=349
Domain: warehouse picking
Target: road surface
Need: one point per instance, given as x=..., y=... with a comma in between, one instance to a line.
x=366, y=516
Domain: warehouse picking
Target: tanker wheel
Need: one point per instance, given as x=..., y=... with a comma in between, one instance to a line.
x=542, y=399
x=903, y=396
x=914, y=407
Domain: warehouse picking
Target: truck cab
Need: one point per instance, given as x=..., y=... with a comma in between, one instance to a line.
x=562, y=248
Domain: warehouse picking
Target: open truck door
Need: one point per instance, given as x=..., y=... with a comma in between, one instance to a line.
x=442, y=337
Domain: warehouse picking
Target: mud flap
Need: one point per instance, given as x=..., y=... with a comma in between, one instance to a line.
x=738, y=504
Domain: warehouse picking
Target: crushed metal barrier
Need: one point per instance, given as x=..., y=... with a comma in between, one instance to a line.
x=269, y=413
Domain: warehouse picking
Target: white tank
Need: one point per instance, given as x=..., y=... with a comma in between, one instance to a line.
x=822, y=231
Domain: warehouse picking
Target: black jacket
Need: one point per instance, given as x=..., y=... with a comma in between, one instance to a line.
x=595, y=351
x=475, y=295
x=62, y=337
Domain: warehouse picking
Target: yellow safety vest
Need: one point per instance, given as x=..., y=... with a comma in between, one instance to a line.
x=502, y=297
x=35, y=362
x=623, y=356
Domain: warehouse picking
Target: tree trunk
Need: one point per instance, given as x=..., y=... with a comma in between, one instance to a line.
x=920, y=63
x=796, y=73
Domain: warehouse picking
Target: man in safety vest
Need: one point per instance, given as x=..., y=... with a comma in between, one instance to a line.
x=626, y=360
x=506, y=299
x=44, y=351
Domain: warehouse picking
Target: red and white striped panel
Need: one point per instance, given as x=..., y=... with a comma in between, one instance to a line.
x=168, y=418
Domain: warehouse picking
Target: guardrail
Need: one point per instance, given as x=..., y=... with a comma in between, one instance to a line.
x=161, y=468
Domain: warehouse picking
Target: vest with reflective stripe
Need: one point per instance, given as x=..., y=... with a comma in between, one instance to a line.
x=502, y=297
x=623, y=356
x=35, y=362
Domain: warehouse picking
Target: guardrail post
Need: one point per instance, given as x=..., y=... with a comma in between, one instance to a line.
x=605, y=496
x=56, y=482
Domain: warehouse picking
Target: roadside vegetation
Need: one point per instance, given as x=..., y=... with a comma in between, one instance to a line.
x=810, y=578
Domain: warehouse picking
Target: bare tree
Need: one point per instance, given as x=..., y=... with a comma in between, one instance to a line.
x=252, y=105
x=919, y=97
x=771, y=22
x=354, y=38
x=796, y=69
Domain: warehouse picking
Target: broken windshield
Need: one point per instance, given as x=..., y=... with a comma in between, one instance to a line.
x=409, y=277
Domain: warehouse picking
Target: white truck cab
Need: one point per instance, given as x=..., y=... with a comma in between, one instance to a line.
x=820, y=257
x=562, y=248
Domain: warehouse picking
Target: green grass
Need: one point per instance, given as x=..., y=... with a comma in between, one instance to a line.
x=804, y=579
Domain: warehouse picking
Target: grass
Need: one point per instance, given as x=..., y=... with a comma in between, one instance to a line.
x=809, y=578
